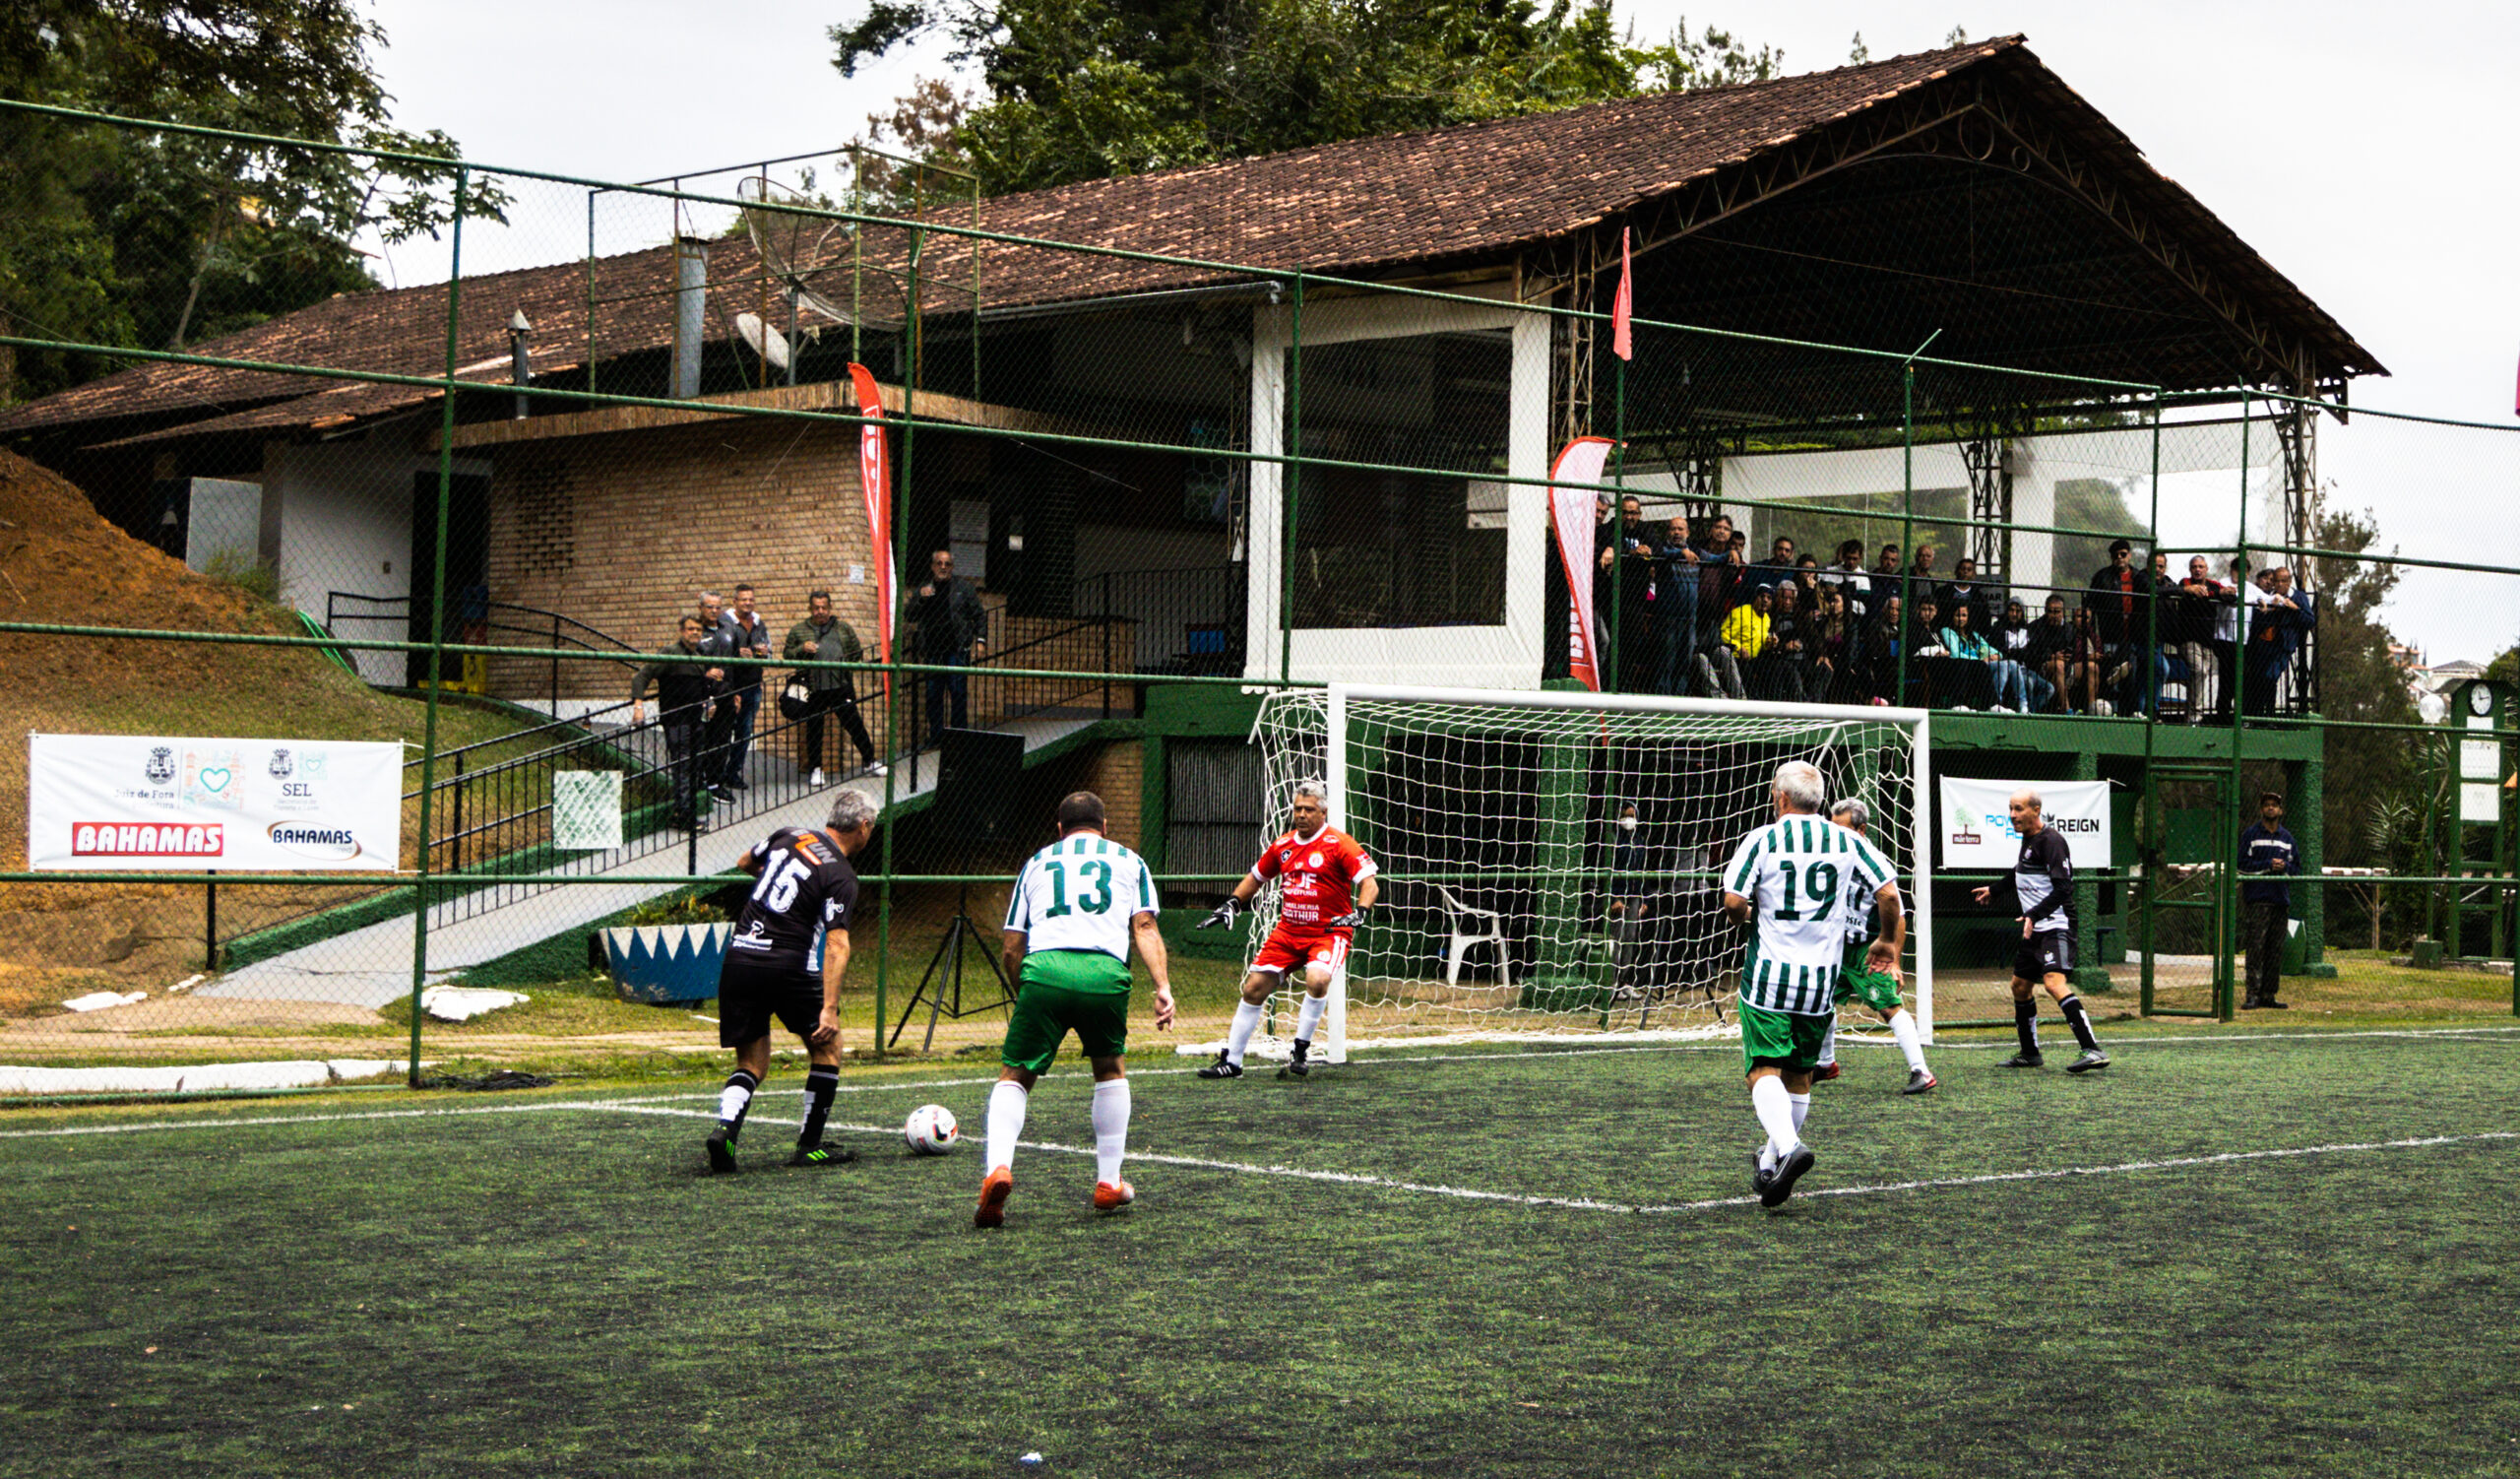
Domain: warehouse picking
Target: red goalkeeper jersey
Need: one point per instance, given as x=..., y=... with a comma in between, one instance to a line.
x=1321, y=876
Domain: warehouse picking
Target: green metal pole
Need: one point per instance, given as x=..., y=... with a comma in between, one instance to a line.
x=2146, y=858
x=438, y=623
x=900, y=556
x=1906, y=520
x=1290, y=492
x=1618, y=521
x=2228, y=886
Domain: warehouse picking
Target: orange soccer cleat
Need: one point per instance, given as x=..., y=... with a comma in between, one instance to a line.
x=995, y=1187
x=1110, y=1199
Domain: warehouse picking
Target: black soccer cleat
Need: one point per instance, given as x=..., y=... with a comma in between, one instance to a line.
x=2024, y=1060
x=2092, y=1059
x=822, y=1155
x=1224, y=1068
x=721, y=1152
x=1918, y=1082
x=1788, y=1172
x=1824, y=1073
x=1299, y=1065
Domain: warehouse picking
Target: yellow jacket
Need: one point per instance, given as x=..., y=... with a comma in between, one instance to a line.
x=1745, y=631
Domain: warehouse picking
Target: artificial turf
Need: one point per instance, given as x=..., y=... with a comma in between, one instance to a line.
x=524, y=1287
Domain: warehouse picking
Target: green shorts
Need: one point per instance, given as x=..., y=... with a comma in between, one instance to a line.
x=1781, y=1039
x=1872, y=988
x=1084, y=992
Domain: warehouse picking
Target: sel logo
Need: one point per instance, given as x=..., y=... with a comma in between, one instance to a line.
x=330, y=844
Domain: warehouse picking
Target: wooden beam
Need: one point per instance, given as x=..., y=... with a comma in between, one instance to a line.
x=836, y=396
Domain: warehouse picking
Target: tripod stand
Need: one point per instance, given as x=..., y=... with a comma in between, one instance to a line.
x=941, y=983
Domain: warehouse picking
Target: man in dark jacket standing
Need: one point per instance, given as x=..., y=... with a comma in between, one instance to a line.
x=687, y=684
x=823, y=637
x=2269, y=858
x=951, y=621
x=747, y=635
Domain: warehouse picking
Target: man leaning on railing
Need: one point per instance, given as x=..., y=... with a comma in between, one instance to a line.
x=688, y=688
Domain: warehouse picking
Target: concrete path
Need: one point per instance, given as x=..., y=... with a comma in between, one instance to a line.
x=372, y=966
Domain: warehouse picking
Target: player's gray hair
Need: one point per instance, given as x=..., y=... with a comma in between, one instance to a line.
x=1853, y=813
x=1318, y=790
x=850, y=811
x=1800, y=782
x=2036, y=802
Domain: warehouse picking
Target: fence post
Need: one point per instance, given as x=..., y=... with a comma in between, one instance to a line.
x=210, y=922
x=437, y=632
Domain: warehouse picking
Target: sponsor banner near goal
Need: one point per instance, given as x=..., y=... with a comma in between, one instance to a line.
x=144, y=801
x=1976, y=822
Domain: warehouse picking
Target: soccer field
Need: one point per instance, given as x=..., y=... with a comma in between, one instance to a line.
x=2235, y=1252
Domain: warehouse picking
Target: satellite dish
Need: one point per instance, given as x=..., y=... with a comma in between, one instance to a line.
x=800, y=249
x=762, y=339
x=2432, y=707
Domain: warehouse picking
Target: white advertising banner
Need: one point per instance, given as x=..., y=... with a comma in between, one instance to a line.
x=143, y=801
x=1976, y=828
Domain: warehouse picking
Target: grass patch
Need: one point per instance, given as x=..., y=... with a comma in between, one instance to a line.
x=2307, y=1313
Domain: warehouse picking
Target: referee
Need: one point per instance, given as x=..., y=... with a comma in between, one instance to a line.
x=785, y=959
x=2042, y=879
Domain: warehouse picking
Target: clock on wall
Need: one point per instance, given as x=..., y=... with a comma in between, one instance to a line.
x=2479, y=699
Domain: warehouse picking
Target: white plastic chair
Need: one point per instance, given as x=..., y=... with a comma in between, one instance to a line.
x=1472, y=926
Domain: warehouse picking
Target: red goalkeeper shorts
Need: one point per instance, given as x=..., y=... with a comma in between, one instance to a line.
x=1284, y=951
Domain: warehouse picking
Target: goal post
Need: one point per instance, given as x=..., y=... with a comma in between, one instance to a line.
x=1517, y=900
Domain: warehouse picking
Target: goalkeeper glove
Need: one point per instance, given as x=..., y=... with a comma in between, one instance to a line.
x=1222, y=914
x=1349, y=921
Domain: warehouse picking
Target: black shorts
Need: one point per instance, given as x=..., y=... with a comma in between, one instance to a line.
x=750, y=993
x=2045, y=952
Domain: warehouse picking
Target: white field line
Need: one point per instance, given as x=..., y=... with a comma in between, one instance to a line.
x=2456, y=1034
x=1591, y=1205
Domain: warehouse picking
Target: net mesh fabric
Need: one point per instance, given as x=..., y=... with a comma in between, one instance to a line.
x=1513, y=903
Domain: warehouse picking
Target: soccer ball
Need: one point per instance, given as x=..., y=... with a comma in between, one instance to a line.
x=931, y=1130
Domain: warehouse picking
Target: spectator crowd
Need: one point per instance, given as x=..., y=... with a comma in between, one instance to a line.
x=1688, y=608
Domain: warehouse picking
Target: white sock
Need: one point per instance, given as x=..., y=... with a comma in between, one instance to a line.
x=732, y=1101
x=1309, y=1017
x=1111, y=1129
x=1767, y=1156
x=1775, y=1109
x=1829, y=1044
x=1006, y=1105
x=1246, y=1021
x=1904, y=1028
x=1802, y=1111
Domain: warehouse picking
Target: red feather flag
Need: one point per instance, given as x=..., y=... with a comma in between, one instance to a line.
x=875, y=481
x=1623, y=305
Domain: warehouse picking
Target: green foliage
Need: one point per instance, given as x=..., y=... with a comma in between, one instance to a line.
x=2359, y=681
x=1089, y=88
x=679, y=909
x=121, y=236
x=251, y=574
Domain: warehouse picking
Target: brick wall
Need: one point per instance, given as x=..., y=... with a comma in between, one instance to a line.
x=621, y=532
x=1114, y=774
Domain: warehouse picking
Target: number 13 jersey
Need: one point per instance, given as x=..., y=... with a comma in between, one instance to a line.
x=1798, y=873
x=1080, y=893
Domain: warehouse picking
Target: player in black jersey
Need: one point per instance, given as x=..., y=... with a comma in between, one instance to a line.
x=2042, y=879
x=803, y=903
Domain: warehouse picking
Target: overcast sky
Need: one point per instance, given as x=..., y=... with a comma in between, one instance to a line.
x=2359, y=149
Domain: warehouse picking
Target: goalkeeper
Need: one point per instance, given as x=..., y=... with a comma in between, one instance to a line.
x=1329, y=884
x=1859, y=981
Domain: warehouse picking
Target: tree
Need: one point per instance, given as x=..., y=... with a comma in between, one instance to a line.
x=125, y=237
x=1088, y=89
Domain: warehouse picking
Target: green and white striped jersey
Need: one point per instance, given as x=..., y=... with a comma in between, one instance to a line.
x=1799, y=874
x=1080, y=893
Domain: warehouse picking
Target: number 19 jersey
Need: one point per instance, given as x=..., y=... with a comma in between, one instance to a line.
x=1080, y=893
x=1799, y=874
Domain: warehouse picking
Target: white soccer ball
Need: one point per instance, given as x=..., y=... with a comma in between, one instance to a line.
x=931, y=1130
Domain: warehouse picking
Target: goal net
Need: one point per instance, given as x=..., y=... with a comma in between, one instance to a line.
x=1516, y=900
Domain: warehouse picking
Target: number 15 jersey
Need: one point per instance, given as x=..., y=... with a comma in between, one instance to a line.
x=1799, y=874
x=1080, y=893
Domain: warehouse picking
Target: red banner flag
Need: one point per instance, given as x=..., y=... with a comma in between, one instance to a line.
x=1624, y=306
x=876, y=481
x=1571, y=510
